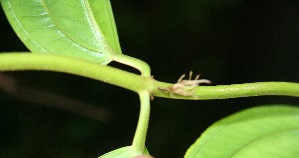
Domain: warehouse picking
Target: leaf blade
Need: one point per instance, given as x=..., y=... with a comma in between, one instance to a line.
x=104, y=17
x=247, y=132
x=60, y=27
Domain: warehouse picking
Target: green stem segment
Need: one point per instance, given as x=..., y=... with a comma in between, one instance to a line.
x=234, y=90
x=30, y=61
x=137, y=83
x=133, y=62
x=140, y=133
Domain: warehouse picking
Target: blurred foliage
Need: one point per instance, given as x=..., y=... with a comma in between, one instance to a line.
x=226, y=41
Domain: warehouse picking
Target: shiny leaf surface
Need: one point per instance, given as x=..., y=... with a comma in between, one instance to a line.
x=66, y=27
x=104, y=17
x=261, y=132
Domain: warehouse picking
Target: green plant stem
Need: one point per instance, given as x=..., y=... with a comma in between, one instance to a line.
x=234, y=90
x=137, y=83
x=142, y=66
x=30, y=61
x=141, y=130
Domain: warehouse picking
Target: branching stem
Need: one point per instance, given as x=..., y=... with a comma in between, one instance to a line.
x=137, y=83
x=142, y=84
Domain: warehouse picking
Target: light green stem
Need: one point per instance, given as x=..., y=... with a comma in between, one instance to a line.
x=140, y=133
x=137, y=83
x=30, y=61
x=142, y=66
x=233, y=91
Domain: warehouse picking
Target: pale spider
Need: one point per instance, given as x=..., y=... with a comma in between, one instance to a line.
x=185, y=87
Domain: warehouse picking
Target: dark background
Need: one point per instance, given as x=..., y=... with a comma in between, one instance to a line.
x=227, y=41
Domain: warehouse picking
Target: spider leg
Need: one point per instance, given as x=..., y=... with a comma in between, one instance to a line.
x=190, y=75
x=181, y=78
x=197, y=77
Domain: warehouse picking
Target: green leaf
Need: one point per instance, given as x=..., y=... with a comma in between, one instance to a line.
x=124, y=152
x=103, y=15
x=261, y=132
x=66, y=27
